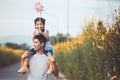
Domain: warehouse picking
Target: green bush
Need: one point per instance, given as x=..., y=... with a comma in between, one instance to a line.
x=9, y=56
x=97, y=58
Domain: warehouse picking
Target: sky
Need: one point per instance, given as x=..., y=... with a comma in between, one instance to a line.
x=17, y=16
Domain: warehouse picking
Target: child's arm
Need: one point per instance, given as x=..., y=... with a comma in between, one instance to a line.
x=34, y=33
x=46, y=35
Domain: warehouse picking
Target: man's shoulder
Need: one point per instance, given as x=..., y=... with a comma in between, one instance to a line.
x=42, y=55
x=37, y=57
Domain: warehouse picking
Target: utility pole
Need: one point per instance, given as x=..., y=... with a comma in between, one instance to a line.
x=67, y=19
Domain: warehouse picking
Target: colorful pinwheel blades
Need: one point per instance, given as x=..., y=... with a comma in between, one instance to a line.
x=39, y=7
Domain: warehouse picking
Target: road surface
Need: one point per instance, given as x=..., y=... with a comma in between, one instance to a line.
x=10, y=73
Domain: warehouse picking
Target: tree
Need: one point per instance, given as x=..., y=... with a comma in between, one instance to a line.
x=13, y=45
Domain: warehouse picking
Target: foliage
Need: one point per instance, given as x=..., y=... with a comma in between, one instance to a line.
x=58, y=38
x=23, y=46
x=95, y=55
x=9, y=56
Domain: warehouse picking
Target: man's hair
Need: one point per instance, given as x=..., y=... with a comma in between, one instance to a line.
x=41, y=38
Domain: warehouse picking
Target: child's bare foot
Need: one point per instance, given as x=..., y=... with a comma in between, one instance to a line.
x=23, y=70
x=50, y=71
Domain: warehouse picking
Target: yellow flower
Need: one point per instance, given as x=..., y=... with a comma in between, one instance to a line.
x=93, y=43
x=99, y=47
x=102, y=37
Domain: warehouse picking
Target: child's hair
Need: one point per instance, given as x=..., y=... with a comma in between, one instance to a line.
x=39, y=19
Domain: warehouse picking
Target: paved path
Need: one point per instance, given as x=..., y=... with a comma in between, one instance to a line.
x=10, y=73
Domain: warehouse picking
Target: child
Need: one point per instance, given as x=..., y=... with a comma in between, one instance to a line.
x=39, y=30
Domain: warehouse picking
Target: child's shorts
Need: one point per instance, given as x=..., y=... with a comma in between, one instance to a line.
x=32, y=50
x=50, y=50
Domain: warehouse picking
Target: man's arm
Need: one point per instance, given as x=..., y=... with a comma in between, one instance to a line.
x=55, y=69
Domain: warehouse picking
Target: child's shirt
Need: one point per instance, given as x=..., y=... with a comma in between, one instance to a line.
x=48, y=46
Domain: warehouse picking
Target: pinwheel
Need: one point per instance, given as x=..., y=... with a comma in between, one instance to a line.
x=39, y=7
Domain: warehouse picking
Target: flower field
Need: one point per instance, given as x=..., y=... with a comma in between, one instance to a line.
x=9, y=56
x=94, y=55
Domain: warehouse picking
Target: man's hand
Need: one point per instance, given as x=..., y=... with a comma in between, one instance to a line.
x=50, y=57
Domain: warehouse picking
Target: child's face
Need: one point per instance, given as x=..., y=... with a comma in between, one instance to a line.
x=39, y=25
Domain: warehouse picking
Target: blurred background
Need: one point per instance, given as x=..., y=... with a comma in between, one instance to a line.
x=85, y=35
x=62, y=16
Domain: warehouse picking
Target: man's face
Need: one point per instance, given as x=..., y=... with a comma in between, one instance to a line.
x=37, y=44
x=39, y=25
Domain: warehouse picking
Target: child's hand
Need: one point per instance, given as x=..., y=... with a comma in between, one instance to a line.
x=50, y=57
x=40, y=32
x=29, y=53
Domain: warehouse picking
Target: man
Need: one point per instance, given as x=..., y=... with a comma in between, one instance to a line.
x=39, y=62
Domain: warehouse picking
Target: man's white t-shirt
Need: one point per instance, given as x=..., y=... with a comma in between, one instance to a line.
x=38, y=67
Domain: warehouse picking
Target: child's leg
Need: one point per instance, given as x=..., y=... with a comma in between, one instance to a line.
x=24, y=67
x=50, y=53
x=50, y=70
x=21, y=62
x=25, y=55
x=24, y=62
